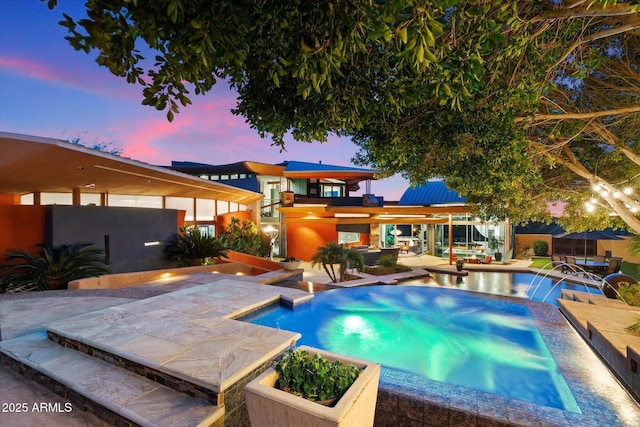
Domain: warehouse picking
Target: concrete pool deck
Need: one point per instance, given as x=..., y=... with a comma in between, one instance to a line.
x=605, y=402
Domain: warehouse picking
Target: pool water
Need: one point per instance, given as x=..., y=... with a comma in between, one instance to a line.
x=440, y=334
x=524, y=285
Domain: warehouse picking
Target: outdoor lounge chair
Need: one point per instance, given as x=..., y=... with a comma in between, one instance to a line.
x=486, y=260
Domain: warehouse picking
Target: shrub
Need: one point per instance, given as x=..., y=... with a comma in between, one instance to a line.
x=379, y=270
x=244, y=237
x=629, y=293
x=314, y=377
x=190, y=246
x=540, y=248
x=54, y=268
x=387, y=261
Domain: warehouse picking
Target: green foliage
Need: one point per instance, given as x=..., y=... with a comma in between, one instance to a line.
x=541, y=248
x=495, y=243
x=243, y=236
x=314, y=377
x=332, y=254
x=190, y=246
x=459, y=264
x=382, y=270
x=54, y=268
x=387, y=261
x=629, y=293
x=634, y=329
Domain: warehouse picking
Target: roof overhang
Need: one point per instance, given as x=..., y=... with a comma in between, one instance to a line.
x=34, y=164
x=335, y=174
x=370, y=215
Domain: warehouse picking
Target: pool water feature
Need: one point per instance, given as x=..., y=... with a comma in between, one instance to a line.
x=440, y=334
x=523, y=285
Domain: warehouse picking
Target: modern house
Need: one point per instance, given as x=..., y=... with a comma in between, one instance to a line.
x=306, y=205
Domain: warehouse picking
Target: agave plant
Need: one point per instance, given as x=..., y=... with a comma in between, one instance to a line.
x=333, y=254
x=191, y=247
x=54, y=268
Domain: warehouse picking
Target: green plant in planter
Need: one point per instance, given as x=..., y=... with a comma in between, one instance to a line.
x=314, y=377
x=459, y=265
x=290, y=259
x=495, y=243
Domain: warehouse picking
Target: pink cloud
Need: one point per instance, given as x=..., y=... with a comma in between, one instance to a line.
x=93, y=79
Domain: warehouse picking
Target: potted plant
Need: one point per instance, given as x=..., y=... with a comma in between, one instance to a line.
x=459, y=265
x=290, y=263
x=320, y=388
x=495, y=243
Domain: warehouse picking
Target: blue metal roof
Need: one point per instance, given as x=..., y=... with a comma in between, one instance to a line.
x=431, y=193
x=294, y=166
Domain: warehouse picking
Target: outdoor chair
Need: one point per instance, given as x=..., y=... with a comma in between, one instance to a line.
x=572, y=267
x=599, y=258
x=559, y=261
x=487, y=259
x=614, y=266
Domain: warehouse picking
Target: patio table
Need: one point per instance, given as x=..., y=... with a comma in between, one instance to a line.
x=592, y=266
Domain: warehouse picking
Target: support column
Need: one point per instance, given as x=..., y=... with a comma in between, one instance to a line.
x=75, y=197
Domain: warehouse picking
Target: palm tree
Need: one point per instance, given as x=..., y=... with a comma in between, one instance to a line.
x=191, y=247
x=333, y=254
x=54, y=268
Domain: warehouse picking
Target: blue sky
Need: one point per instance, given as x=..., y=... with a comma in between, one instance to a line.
x=48, y=89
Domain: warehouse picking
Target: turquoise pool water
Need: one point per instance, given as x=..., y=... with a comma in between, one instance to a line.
x=440, y=334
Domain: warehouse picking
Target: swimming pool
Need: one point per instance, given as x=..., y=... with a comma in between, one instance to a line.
x=523, y=285
x=440, y=334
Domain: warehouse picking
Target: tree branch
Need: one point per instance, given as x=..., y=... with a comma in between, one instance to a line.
x=570, y=13
x=582, y=116
x=596, y=36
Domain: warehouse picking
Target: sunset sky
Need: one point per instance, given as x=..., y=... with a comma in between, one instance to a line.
x=48, y=89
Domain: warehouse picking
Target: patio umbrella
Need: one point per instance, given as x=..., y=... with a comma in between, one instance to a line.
x=587, y=235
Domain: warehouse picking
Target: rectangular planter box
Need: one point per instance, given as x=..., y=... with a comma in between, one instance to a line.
x=271, y=407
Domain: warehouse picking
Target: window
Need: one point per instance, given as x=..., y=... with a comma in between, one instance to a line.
x=56, y=199
x=181, y=203
x=205, y=209
x=222, y=207
x=348, y=237
x=128, y=200
x=332, y=190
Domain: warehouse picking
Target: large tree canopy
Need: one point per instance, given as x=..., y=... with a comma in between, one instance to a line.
x=514, y=103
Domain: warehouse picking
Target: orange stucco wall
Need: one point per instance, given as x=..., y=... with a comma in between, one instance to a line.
x=304, y=240
x=21, y=227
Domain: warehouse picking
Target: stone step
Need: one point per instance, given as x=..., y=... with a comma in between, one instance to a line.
x=99, y=386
